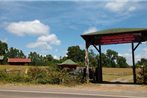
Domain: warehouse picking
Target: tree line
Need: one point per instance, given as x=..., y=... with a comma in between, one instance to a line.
x=109, y=59
x=75, y=53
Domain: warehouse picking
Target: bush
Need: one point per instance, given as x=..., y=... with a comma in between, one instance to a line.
x=11, y=77
x=42, y=76
x=2, y=75
x=142, y=75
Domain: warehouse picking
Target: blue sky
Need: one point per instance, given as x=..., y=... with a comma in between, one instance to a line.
x=50, y=27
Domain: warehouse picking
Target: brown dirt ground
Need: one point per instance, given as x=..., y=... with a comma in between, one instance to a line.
x=94, y=87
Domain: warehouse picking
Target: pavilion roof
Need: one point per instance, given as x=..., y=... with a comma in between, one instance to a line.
x=116, y=36
x=116, y=31
x=68, y=62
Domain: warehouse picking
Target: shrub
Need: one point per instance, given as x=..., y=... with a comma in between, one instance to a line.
x=142, y=75
x=42, y=76
x=2, y=75
x=11, y=77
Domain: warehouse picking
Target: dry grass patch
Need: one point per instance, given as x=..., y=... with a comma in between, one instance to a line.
x=110, y=74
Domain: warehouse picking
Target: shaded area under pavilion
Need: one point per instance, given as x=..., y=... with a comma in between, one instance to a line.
x=113, y=36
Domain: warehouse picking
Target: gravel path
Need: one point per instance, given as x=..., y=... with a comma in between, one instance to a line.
x=124, y=79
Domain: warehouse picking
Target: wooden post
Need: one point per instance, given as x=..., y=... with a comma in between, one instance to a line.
x=134, y=67
x=87, y=63
x=99, y=76
x=100, y=64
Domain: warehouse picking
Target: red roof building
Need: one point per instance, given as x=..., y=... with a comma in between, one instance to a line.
x=19, y=61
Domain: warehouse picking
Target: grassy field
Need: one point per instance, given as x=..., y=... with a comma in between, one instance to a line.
x=109, y=74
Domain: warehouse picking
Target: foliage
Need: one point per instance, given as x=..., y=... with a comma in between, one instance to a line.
x=15, y=53
x=39, y=60
x=92, y=58
x=112, y=55
x=41, y=76
x=105, y=60
x=3, y=51
x=75, y=53
x=36, y=59
x=3, y=48
x=121, y=62
x=11, y=77
x=142, y=74
x=142, y=62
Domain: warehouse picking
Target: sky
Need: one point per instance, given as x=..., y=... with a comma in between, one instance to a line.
x=50, y=27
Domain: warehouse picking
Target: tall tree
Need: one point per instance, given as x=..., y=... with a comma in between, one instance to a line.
x=105, y=60
x=3, y=52
x=15, y=53
x=49, y=57
x=3, y=48
x=121, y=62
x=35, y=58
x=75, y=53
x=92, y=58
x=142, y=62
x=112, y=55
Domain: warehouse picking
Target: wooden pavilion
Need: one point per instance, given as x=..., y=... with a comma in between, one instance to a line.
x=68, y=64
x=113, y=36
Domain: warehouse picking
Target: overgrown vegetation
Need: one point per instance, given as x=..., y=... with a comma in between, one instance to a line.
x=38, y=75
x=142, y=74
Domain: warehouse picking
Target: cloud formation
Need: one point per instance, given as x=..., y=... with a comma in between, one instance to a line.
x=45, y=42
x=45, y=39
x=23, y=28
x=120, y=6
x=91, y=29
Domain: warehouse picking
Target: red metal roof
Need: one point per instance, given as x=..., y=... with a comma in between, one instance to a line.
x=25, y=60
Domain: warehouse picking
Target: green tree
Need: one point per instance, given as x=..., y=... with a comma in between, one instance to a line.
x=112, y=55
x=3, y=51
x=121, y=62
x=143, y=61
x=39, y=60
x=92, y=58
x=35, y=58
x=49, y=60
x=3, y=48
x=15, y=53
x=76, y=54
x=105, y=60
x=49, y=57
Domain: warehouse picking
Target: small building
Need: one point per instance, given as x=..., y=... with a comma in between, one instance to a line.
x=68, y=64
x=19, y=61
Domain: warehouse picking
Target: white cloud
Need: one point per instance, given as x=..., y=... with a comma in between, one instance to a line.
x=56, y=57
x=45, y=42
x=90, y=30
x=22, y=28
x=120, y=6
x=4, y=40
x=43, y=45
x=51, y=39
